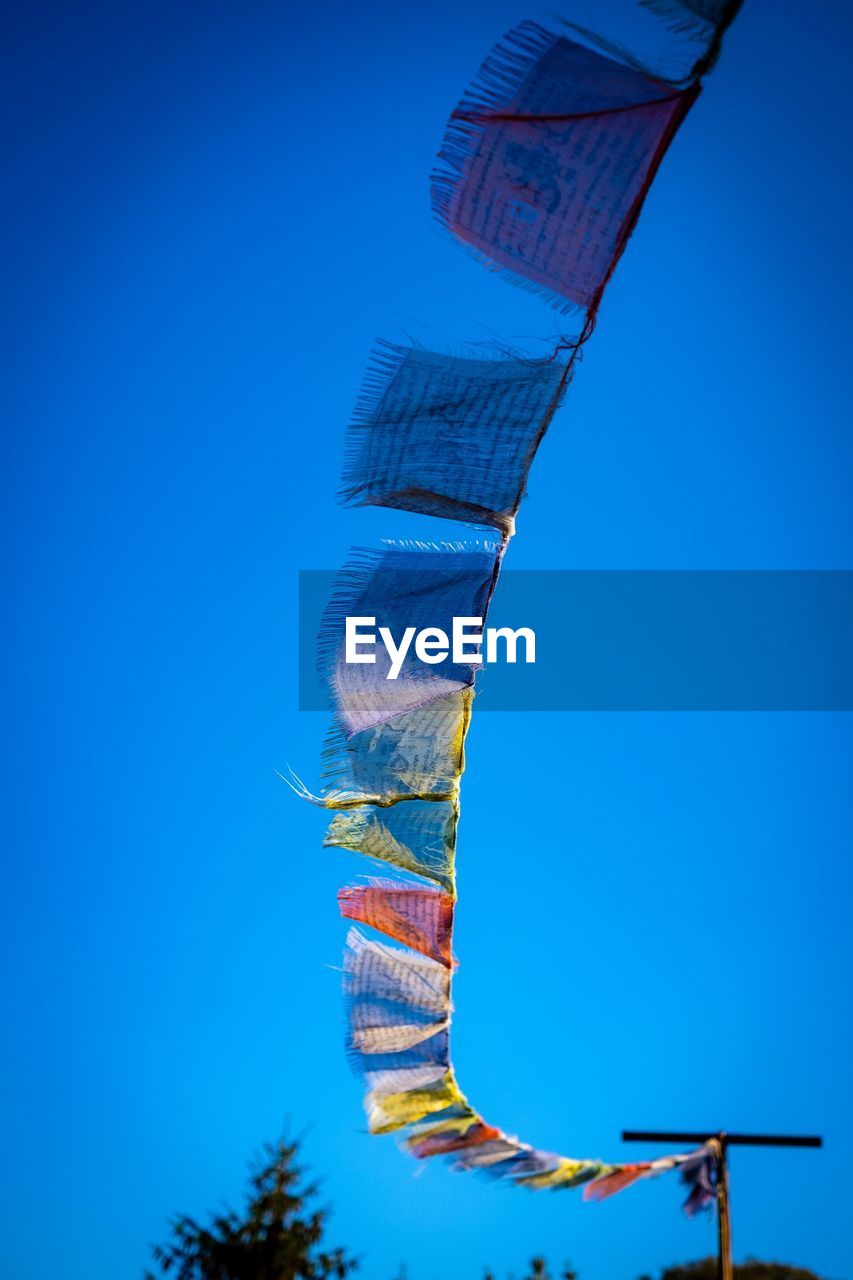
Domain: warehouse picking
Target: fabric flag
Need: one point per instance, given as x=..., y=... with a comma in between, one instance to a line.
x=376, y=973
x=415, y=756
x=418, y=916
x=611, y=1181
x=398, y=1010
x=379, y=1057
x=387, y=1112
x=451, y=1125
x=701, y=1173
x=401, y=1079
x=556, y=1172
x=489, y=1157
x=405, y=588
x=449, y=436
x=417, y=836
x=444, y=1143
x=548, y=158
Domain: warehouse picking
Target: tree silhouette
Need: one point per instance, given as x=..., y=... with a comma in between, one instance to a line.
x=539, y=1271
x=706, y=1269
x=278, y=1237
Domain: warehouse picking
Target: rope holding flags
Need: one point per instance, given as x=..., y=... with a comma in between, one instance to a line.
x=544, y=170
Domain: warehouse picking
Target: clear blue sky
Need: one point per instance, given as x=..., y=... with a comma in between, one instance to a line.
x=212, y=212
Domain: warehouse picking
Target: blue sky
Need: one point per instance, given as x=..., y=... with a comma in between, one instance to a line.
x=215, y=209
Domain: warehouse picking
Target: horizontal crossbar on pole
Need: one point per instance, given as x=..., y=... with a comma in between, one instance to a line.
x=729, y=1139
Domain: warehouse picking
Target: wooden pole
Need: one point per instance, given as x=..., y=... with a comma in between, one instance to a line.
x=724, y=1220
x=722, y=1141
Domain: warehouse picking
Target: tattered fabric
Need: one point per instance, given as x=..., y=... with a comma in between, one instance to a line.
x=416, y=915
x=399, y=1009
x=417, y=836
x=403, y=586
x=548, y=158
x=449, y=436
x=545, y=167
x=418, y=755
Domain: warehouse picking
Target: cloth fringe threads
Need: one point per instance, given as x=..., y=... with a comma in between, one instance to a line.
x=543, y=172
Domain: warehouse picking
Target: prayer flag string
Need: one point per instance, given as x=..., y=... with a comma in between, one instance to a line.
x=543, y=172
